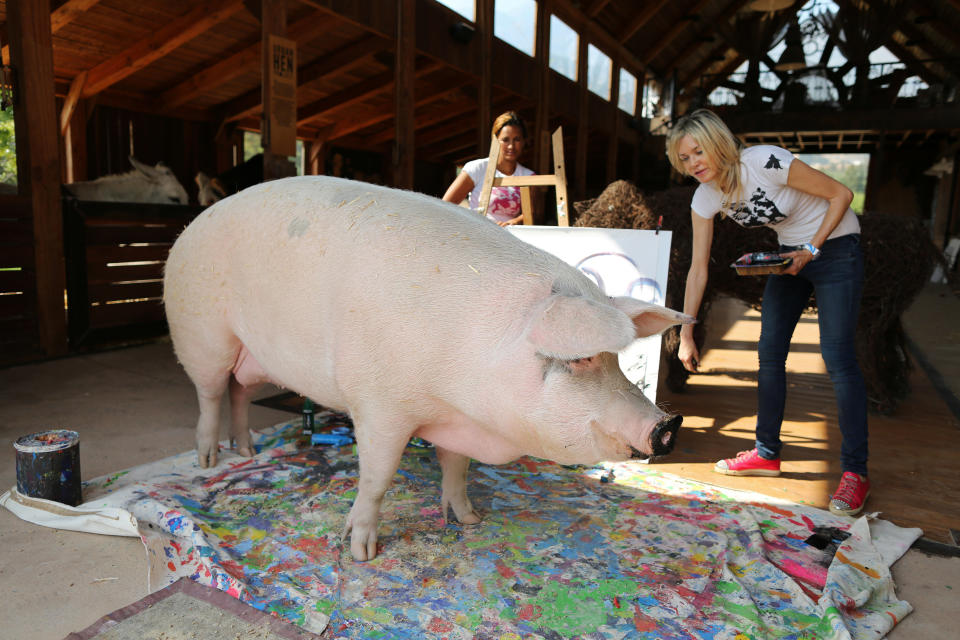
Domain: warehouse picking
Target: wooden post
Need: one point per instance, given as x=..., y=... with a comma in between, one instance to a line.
x=273, y=22
x=541, y=120
x=404, y=74
x=614, y=144
x=580, y=179
x=560, y=171
x=485, y=97
x=38, y=161
x=315, y=152
x=229, y=145
x=75, y=144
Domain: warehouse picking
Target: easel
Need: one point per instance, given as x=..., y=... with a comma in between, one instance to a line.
x=557, y=180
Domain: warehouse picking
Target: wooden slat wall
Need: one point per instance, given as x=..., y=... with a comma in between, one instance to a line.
x=19, y=335
x=115, y=253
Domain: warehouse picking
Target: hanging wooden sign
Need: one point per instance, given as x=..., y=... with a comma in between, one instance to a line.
x=281, y=99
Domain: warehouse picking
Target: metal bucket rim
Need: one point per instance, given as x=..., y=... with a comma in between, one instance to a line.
x=29, y=444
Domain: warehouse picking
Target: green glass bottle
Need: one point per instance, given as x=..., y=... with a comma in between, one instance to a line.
x=309, y=425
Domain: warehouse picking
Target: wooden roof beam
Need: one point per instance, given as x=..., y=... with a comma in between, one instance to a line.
x=160, y=43
x=651, y=9
x=908, y=58
x=594, y=8
x=357, y=123
x=908, y=29
x=361, y=91
x=678, y=27
x=60, y=17
x=445, y=131
x=698, y=72
x=724, y=71
x=599, y=36
x=337, y=62
x=696, y=44
x=246, y=59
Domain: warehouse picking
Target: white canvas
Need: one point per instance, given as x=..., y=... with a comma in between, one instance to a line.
x=623, y=262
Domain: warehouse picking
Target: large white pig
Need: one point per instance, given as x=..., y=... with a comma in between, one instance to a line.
x=418, y=318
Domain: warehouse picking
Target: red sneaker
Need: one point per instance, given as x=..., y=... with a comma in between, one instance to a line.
x=850, y=496
x=748, y=463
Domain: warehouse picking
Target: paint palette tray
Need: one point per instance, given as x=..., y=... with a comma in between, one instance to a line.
x=760, y=263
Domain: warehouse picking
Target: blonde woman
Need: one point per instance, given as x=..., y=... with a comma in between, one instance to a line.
x=504, y=205
x=766, y=186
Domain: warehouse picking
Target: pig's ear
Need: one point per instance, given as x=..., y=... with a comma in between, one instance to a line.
x=649, y=318
x=574, y=327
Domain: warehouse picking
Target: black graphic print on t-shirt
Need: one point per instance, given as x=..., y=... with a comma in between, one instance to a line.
x=760, y=211
x=773, y=162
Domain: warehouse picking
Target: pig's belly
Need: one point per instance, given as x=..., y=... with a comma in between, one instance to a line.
x=467, y=437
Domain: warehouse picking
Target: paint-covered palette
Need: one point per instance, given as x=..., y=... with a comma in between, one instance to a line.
x=560, y=553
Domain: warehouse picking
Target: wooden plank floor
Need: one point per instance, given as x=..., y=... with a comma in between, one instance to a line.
x=914, y=467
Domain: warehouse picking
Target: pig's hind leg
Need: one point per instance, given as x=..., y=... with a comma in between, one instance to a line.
x=208, y=354
x=240, y=396
x=453, y=493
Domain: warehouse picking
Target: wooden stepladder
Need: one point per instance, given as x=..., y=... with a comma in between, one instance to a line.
x=557, y=180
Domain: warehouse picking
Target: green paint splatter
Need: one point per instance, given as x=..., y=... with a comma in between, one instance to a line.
x=725, y=586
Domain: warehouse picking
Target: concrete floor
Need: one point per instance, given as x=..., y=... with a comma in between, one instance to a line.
x=136, y=405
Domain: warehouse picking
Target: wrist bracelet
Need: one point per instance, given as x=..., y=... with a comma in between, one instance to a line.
x=812, y=249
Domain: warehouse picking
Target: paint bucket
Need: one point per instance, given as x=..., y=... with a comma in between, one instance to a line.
x=48, y=466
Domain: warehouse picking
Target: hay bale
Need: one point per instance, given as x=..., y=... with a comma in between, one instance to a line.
x=899, y=259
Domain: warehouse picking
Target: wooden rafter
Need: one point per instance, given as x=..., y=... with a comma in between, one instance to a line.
x=933, y=50
x=371, y=117
x=908, y=58
x=71, y=101
x=160, y=43
x=599, y=36
x=363, y=90
x=244, y=60
x=594, y=8
x=678, y=27
x=326, y=66
x=644, y=16
x=59, y=18
x=705, y=64
x=448, y=130
x=696, y=44
x=342, y=59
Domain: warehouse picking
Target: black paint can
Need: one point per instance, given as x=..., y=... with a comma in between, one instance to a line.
x=48, y=466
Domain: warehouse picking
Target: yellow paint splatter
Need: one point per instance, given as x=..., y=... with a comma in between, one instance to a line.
x=859, y=567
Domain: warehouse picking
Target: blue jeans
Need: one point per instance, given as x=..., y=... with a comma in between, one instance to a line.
x=836, y=278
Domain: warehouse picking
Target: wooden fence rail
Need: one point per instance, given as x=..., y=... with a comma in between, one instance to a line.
x=114, y=256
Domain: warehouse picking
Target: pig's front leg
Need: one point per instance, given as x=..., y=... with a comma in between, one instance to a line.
x=379, y=446
x=453, y=492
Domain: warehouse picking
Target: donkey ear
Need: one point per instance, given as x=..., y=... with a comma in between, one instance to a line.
x=570, y=327
x=145, y=169
x=648, y=318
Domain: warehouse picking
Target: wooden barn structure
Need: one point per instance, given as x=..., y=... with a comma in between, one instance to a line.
x=400, y=92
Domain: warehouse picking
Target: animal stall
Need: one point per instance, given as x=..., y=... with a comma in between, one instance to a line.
x=114, y=254
x=19, y=336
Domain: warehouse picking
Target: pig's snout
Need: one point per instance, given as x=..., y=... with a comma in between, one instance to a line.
x=663, y=438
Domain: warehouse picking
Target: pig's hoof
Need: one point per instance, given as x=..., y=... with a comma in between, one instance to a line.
x=470, y=518
x=363, y=548
x=246, y=452
x=665, y=436
x=206, y=460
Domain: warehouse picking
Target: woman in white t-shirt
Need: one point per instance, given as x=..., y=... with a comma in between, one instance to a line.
x=504, y=205
x=766, y=186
